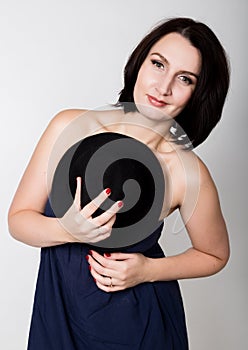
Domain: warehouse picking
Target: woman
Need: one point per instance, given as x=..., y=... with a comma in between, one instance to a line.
x=93, y=298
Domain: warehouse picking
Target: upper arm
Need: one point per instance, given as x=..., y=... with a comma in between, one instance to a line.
x=205, y=224
x=33, y=190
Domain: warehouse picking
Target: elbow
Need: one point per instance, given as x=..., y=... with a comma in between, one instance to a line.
x=225, y=259
x=226, y=255
x=13, y=225
x=9, y=222
x=215, y=263
x=222, y=261
x=222, y=256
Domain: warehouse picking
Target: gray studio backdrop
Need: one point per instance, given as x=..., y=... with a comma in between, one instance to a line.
x=66, y=54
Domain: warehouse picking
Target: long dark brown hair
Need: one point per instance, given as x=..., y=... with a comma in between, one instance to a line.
x=204, y=109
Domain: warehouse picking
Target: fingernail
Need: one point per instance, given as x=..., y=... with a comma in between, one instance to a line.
x=108, y=191
x=89, y=267
x=87, y=257
x=107, y=255
x=90, y=252
x=120, y=204
x=94, y=280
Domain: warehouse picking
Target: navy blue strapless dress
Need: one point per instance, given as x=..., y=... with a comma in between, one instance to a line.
x=71, y=313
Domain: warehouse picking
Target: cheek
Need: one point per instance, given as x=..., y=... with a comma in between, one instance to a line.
x=144, y=76
x=144, y=83
x=138, y=87
x=135, y=93
x=183, y=96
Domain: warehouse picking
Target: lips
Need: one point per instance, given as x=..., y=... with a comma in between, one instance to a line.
x=155, y=102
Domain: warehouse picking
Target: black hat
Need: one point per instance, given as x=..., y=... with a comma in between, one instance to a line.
x=125, y=165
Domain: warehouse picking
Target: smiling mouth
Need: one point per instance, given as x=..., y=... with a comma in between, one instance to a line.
x=155, y=102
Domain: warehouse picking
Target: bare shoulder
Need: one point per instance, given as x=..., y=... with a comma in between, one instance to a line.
x=187, y=176
x=63, y=118
x=197, y=176
x=199, y=189
x=192, y=168
x=205, y=180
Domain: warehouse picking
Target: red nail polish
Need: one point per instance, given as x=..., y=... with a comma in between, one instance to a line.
x=89, y=267
x=108, y=191
x=87, y=257
x=94, y=280
x=107, y=255
x=90, y=252
x=120, y=204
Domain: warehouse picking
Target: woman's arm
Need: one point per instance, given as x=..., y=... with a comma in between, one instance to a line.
x=26, y=220
x=208, y=234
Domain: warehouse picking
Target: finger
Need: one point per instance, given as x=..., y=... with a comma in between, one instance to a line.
x=111, y=222
x=118, y=256
x=77, y=199
x=108, y=214
x=106, y=283
x=102, y=266
x=105, y=228
x=108, y=289
x=91, y=207
x=104, y=280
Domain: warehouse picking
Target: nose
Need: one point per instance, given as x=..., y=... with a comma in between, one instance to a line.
x=164, y=85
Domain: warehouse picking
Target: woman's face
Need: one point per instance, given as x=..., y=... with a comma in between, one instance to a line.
x=167, y=77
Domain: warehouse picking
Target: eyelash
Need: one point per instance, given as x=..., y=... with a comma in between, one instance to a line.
x=187, y=80
x=160, y=65
x=157, y=64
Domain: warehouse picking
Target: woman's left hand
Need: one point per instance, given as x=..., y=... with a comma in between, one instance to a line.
x=118, y=271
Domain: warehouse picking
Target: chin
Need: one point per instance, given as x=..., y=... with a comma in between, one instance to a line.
x=153, y=113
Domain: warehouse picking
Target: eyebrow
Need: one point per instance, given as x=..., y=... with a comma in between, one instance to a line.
x=167, y=62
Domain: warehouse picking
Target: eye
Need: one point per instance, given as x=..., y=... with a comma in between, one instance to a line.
x=185, y=80
x=157, y=63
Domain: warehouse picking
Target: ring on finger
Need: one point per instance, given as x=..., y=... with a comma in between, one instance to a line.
x=111, y=284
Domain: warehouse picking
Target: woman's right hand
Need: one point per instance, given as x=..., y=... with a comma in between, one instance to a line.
x=79, y=222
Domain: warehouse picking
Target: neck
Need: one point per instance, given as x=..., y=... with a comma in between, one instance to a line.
x=149, y=131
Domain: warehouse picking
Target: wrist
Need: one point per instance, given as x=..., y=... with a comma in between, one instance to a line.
x=156, y=269
x=65, y=235
x=149, y=272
